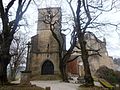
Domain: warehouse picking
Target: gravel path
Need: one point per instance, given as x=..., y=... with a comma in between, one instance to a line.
x=56, y=85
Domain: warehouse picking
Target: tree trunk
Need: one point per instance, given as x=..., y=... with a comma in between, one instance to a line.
x=4, y=61
x=65, y=75
x=88, y=77
x=63, y=72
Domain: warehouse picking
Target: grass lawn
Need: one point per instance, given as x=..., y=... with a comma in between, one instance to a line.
x=92, y=88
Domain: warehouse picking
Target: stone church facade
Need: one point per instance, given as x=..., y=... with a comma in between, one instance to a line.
x=45, y=49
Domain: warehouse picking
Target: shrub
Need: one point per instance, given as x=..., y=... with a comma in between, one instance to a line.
x=108, y=74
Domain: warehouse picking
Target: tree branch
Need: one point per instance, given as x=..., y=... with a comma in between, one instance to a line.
x=73, y=59
x=86, y=8
x=1, y=9
x=97, y=53
x=26, y=7
x=9, y=5
x=19, y=14
x=69, y=2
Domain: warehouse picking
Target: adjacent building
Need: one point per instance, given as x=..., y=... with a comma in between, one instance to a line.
x=95, y=61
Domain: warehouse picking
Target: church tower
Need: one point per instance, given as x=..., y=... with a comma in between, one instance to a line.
x=45, y=48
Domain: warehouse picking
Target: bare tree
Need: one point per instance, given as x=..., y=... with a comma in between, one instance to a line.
x=9, y=28
x=84, y=19
x=18, y=52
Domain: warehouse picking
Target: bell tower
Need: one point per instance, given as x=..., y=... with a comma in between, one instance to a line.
x=45, y=48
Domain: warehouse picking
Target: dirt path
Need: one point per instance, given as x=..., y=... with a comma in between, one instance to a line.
x=56, y=85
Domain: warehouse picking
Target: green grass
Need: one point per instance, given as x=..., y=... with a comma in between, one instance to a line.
x=92, y=88
x=106, y=84
x=103, y=82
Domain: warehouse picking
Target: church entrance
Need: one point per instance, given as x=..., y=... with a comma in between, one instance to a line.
x=47, y=68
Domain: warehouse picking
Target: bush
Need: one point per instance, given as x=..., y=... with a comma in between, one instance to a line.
x=108, y=74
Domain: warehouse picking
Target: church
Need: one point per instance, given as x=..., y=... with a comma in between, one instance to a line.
x=44, y=54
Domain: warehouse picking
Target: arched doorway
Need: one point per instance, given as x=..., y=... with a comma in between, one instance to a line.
x=47, y=68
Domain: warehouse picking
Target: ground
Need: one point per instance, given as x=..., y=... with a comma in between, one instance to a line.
x=55, y=85
x=73, y=85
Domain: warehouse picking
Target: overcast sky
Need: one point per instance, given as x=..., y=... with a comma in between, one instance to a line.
x=112, y=36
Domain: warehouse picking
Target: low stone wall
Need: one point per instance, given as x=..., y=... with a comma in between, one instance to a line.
x=47, y=77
